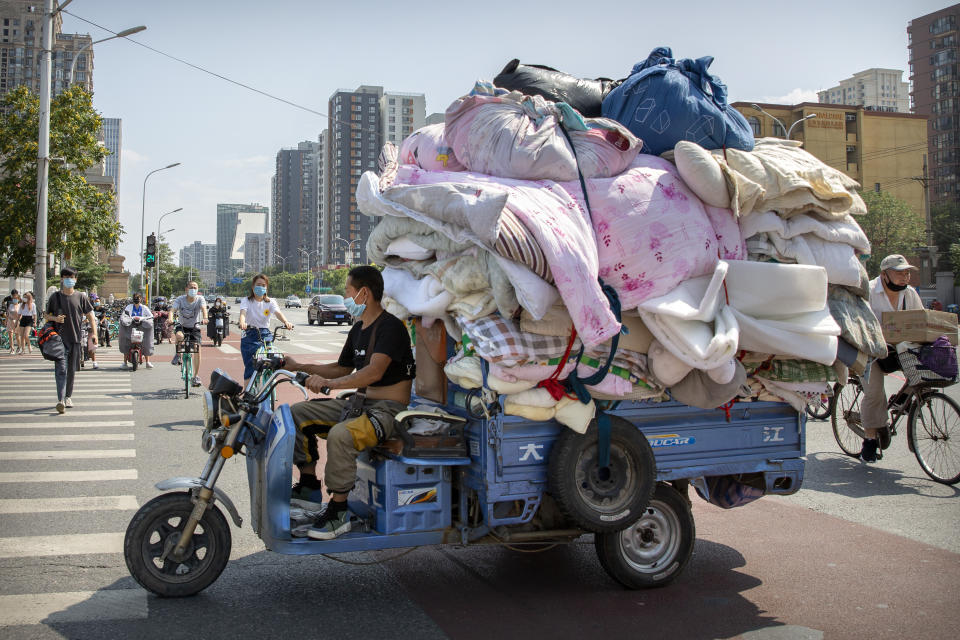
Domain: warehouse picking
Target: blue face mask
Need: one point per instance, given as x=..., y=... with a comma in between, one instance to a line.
x=260, y=290
x=69, y=283
x=354, y=309
x=192, y=293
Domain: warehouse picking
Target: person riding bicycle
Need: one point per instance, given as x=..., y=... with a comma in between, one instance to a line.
x=376, y=357
x=192, y=309
x=218, y=312
x=136, y=310
x=255, y=312
x=890, y=291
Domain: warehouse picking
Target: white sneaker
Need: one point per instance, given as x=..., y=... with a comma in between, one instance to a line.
x=149, y=365
x=95, y=365
x=68, y=403
x=124, y=366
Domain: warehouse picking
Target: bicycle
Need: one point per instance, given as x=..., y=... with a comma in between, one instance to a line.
x=185, y=349
x=819, y=409
x=264, y=352
x=933, y=425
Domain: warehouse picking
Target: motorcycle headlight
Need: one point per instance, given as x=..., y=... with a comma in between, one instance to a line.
x=209, y=411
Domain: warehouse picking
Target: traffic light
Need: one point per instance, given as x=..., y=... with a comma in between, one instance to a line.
x=151, y=258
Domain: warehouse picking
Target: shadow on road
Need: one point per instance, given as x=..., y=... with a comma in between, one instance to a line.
x=840, y=474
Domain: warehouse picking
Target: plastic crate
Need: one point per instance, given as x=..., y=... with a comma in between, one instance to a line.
x=402, y=498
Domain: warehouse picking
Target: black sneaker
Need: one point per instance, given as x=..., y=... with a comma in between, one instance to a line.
x=304, y=497
x=331, y=524
x=869, y=451
x=176, y=360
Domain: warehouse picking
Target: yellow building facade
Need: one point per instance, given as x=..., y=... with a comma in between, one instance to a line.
x=881, y=150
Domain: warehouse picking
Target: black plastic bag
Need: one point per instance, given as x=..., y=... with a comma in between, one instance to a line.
x=586, y=96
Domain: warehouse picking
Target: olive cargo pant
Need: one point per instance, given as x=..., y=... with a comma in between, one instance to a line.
x=345, y=440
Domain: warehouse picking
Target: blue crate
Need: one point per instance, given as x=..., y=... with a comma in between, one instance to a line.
x=402, y=498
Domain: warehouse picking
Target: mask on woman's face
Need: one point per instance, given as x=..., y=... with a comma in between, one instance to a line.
x=354, y=309
x=260, y=290
x=137, y=300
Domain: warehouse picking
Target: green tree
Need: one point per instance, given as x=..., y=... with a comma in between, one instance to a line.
x=80, y=216
x=954, y=256
x=945, y=223
x=891, y=226
x=90, y=273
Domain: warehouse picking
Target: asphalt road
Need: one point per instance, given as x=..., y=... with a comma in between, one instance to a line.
x=860, y=552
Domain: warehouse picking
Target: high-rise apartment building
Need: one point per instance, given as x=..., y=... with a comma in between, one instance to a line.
x=202, y=260
x=20, y=25
x=296, y=208
x=257, y=252
x=229, y=219
x=400, y=115
x=112, y=138
x=354, y=138
x=935, y=92
x=322, y=256
x=873, y=89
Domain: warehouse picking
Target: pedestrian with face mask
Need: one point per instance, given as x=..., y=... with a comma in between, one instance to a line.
x=28, y=318
x=890, y=291
x=11, y=310
x=255, y=313
x=137, y=310
x=66, y=308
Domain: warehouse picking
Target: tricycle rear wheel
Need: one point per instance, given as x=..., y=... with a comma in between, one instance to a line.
x=654, y=550
x=155, y=529
x=602, y=498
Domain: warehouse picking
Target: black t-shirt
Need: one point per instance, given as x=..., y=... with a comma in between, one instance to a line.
x=392, y=340
x=75, y=307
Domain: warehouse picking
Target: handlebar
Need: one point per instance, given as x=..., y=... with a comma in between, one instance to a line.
x=296, y=379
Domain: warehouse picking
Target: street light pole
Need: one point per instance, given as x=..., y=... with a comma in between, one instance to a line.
x=157, y=265
x=349, y=248
x=806, y=117
x=143, y=210
x=772, y=117
x=122, y=34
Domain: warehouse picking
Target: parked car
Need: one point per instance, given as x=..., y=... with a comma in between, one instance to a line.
x=293, y=301
x=237, y=301
x=328, y=308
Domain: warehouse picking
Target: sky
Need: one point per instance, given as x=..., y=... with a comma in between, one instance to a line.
x=226, y=137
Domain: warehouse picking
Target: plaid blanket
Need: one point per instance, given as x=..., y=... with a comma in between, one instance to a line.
x=795, y=371
x=498, y=339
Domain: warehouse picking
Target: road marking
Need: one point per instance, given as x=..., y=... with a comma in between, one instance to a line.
x=301, y=345
x=69, y=476
x=53, y=412
x=63, y=424
x=85, y=394
x=84, y=503
x=73, y=607
x=69, y=454
x=225, y=348
x=30, y=405
x=85, y=437
x=73, y=544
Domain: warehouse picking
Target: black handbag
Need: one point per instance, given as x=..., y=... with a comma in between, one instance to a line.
x=50, y=343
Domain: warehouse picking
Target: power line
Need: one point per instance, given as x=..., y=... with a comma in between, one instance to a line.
x=225, y=78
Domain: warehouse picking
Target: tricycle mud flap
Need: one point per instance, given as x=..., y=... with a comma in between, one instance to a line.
x=185, y=482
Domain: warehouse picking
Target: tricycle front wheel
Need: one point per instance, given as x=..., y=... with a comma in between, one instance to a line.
x=149, y=545
x=653, y=550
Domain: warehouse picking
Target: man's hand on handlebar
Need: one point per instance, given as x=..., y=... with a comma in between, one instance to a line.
x=317, y=384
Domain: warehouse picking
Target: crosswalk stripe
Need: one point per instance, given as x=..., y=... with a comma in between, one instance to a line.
x=225, y=348
x=83, y=503
x=73, y=414
x=46, y=403
x=52, y=393
x=68, y=476
x=61, y=545
x=74, y=607
x=66, y=424
x=70, y=437
x=71, y=454
x=48, y=376
x=301, y=345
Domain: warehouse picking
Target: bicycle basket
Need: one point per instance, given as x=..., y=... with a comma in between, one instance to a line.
x=931, y=365
x=136, y=335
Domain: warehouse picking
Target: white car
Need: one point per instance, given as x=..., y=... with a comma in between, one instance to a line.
x=293, y=301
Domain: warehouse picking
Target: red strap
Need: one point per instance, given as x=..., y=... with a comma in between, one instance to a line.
x=726, y=408
x=552, y=384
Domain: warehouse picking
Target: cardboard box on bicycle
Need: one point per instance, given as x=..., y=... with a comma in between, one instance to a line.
x=920, y=325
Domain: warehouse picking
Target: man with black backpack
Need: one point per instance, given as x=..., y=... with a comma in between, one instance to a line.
x=66, y=309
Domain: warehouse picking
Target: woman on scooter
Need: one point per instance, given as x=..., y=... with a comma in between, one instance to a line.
x=255, y=312
x=137, y=310
x=218, y=315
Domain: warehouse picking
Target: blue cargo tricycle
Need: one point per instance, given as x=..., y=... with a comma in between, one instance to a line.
x=463, y=477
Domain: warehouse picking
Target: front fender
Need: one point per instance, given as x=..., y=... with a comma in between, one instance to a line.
x=184, y=482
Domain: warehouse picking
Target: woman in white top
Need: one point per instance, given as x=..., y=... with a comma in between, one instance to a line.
x=255, y=313
x=12, y=314
x=28, y=317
